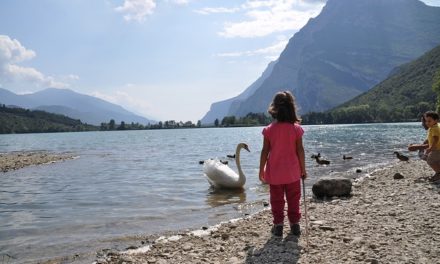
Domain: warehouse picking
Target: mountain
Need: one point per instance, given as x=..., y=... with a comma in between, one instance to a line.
x=224, y=108
x=10, y=98
x=403, y=96
x=87, y=108
x=347, y=49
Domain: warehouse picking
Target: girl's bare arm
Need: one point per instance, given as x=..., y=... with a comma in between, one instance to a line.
x=301, y=156
x=263, y=158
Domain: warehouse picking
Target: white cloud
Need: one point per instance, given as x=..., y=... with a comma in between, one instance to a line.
x=72, y=77
x=271, y=52
x=136, y=10
x=265, y=17
x=12, y=53
x=432, y=2
x=216, y=10
x=181, y=2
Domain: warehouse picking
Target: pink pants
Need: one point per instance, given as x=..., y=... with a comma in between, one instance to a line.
x=293, y=195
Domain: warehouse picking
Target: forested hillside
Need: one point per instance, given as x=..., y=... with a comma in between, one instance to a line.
x=19, y=120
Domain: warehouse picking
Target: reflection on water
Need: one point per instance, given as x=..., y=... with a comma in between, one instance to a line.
x=219, y=197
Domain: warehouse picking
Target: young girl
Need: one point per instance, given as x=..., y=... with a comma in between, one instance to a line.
x=282, y=162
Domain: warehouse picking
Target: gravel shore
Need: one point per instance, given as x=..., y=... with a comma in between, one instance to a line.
x=386, y=220
x=18, y=160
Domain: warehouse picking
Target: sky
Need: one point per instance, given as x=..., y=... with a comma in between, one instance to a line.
x=163, y=59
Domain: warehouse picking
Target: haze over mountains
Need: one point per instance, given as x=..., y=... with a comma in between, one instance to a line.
x=88, y=109
x=346, y=50
x=223, y=108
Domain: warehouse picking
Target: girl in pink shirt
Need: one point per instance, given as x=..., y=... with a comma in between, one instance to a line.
x=282, y=162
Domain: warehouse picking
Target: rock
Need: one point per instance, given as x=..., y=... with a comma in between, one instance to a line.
x=254, y=233
x=372, y=261
x=265, y=204
x=335, y=201
x=347, y=239
x=317, y=222
x=358, y=240
x=233, y=225
x=151, y=260
x=234, y=260
x=131, y=247
x=127, y=259
x=332, y=186
x=187, y=246
x=398, y=176
x=256, y=252
x=327, y=228
x=358, y=171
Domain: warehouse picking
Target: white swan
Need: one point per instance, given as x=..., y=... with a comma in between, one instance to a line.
x=221, y=176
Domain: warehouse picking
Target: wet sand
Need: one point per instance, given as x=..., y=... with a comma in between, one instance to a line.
x=18, y=160
x=386, y=220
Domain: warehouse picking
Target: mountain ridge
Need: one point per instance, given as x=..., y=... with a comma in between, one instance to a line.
x=347, y=49
x=88, y=109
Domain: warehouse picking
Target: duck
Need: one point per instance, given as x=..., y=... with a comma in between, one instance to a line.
x=314, y=156
x=221, y=176
x=347, y=157
x=401, y=157
x=321, y=161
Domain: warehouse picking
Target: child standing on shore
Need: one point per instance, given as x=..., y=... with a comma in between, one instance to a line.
x=433, y=150
x=282, y=162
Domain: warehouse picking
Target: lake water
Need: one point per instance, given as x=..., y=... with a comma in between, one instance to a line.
x=129, y=184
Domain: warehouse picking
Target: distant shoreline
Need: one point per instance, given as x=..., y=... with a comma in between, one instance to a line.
x=204, y=127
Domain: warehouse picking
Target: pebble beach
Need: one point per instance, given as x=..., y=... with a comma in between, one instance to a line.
x=18, y=160
x=392, y=216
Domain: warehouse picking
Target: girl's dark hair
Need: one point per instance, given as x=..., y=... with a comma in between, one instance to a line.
x=432, y=114
x=283, y=108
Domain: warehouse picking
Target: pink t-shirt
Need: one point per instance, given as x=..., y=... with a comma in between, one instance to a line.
x=283, y=165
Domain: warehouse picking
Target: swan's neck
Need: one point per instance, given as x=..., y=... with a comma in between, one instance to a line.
x=241, y=176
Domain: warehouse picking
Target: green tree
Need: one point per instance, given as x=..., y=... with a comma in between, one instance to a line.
x=199, y=123
x=103, y=127
x=122, y=126
x=216, y=122
x=228, y=120
x=111, y=125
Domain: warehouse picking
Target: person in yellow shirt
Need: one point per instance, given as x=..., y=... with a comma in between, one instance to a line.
x=433, y=150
